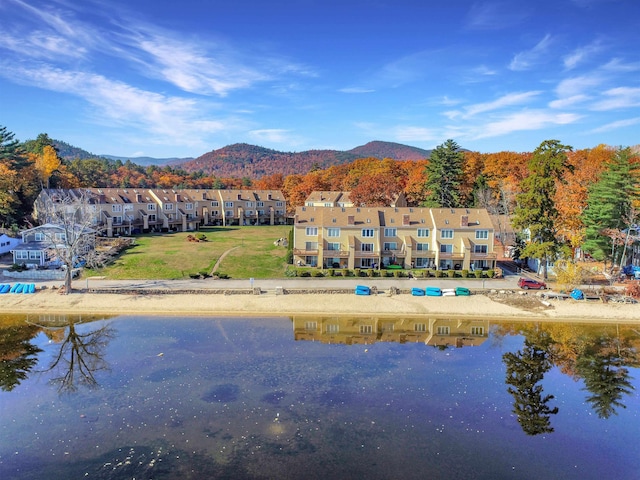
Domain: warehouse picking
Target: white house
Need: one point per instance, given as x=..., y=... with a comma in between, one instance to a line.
x=8, y=243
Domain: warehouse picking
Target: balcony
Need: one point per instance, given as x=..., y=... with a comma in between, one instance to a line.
x=304, y=252
x=394, y=253
x=451, y=256
x=336, y=253
x=360, y=254
x=483, y=256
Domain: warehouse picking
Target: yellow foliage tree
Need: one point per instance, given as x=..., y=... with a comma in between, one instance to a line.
x=569, y=274
x=47, y=163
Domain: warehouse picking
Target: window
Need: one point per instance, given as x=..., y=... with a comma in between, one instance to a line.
x=250, y=204
x=261, y=213
x=367, y=232
x=248, y=213
x=312, y=231
x=334, y=246
x=366, y=247
x=477, y=330
x=333, y=232
x=390, y=245
x=366, y=262
x=228, y=204
x=279, y=212
x=39, y=237
x=60, y=237
x=279, y=204
x=311, y=326
x=168, y=206
x=387, y=327
x=117, y=220
x=34, y=255
x=151, y=206
x=152, y=218
x=446, y=248
x=215, y=204
x=423, y=232
x=332, y=328
x=22, y=255
x=442, y=330
x=446, y=233
x=188, y=206
x=311, y=245
x=420, y=327
x=482, y=234
x=116, y=208
x=328, y=204
x=229, y=213
x=480, y=249
x=422, y=247
x=366, y=329
x=128, y=208
x=390, y=232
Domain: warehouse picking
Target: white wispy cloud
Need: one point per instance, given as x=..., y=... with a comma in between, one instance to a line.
x=496, y=15
x=508, y=100
x=617, y=98
x=524, y=120
x=581, y=54
x=568, y=101
x=616, y=125
x=528, y=58
x=275, y=136
x=617, y=65
x=169, y=119
x=403, y=133
x=570, y=87
x=356, y=90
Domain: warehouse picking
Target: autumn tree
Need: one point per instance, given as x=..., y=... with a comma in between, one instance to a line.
x=375, y=190
x=47, y=163
x=444, y=176
x=610, y=210
x=536, y=210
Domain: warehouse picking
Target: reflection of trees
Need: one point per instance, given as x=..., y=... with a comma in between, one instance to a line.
x=525, y=370
x=80, y=356
x=17, y=355
x=602, y=366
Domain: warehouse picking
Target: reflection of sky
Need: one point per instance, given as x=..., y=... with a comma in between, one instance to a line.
x=224, y=391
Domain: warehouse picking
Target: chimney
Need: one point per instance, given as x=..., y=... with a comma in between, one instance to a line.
x=138, y=198
x=464, y=221
x=351, y=220
x=406, y=221
x=269, y=196
x=177, y=197
x=239, y=196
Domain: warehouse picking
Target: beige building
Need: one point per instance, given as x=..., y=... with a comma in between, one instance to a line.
x=342, y=199
x=409, y=237
x=122, y=211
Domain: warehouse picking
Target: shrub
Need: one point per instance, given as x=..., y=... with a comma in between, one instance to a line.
x=451, y=273
x=344, y=272
x=397, y=273
x=477, y=273
x=318, y=273
x=633, y=289
x=331, y=272
x=305, y=273
x=491, y=273
x=201, y=236
x=288, y=258
x=371, y=272
x=356, y=272
x=439, y=273
x=291, y=272
x=464, y=273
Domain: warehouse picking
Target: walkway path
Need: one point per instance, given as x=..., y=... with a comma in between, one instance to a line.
x=215, y=267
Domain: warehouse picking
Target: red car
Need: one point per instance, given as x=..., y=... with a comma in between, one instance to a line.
x=527, y=283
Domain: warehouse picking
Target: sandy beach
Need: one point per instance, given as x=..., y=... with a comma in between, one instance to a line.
x=492, y=305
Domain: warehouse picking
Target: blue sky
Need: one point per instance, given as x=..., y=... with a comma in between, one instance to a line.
x=175, y=79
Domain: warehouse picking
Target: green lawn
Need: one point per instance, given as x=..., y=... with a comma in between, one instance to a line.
x=171, y=256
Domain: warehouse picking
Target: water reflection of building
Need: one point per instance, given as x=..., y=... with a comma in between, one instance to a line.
x=367, y=330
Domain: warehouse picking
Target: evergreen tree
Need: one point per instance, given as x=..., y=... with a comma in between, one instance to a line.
x=536, y=209
x=610, y=209
x=444, y=176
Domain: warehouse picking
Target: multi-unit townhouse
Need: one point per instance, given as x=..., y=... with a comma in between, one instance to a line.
x=322, y=198
x=126, y=211
x=411, y=237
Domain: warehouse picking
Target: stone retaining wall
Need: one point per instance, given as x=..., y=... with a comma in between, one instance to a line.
x=33, y=274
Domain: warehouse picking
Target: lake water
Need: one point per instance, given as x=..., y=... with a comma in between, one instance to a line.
x=318, y=398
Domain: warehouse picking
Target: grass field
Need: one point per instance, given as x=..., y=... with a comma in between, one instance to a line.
x=251, y=253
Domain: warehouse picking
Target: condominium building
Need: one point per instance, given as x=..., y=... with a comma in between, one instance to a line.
x=411, y=237
x=122, y=211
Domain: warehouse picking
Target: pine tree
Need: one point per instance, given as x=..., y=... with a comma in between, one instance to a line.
x=536, y=209
x=444, y=176
x=610, y=209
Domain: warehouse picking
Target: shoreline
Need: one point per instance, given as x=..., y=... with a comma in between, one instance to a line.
x=317, y=302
